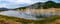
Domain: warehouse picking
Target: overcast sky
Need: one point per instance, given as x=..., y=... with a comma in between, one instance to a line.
x=19, y=3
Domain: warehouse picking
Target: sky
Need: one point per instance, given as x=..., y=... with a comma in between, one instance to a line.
x=11, y=4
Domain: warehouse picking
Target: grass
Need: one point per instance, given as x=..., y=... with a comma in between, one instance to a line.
x=47, y=20
x=15, y=19
x=50, y=19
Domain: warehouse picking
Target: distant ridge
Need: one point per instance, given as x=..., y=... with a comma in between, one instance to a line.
x=45, y=5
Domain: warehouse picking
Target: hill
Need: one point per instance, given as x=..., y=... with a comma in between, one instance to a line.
x=45, y=5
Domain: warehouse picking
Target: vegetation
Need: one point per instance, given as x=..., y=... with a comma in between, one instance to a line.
x=6, y=18
x=45, y=5
x=20, y=8
x=24, y=21
x=50, y=4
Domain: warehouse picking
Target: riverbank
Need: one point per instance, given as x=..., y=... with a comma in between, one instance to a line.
x=40, y=10
x=14, y=20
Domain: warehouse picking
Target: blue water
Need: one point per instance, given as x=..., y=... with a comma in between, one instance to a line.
x=28, y=15
x=24, y=15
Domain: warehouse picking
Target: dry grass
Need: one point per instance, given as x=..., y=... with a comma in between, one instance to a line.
x=14, y=20
x=45, y=10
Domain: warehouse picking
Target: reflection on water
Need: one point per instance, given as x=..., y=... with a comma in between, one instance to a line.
x=47, y=14
x=28, y=15
x=18, y=14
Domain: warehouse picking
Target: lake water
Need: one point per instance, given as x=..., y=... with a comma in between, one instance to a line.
x=27, y=15
x=19, y=14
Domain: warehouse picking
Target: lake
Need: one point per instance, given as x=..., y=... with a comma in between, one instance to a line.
x=18, y=14
x=27, y=15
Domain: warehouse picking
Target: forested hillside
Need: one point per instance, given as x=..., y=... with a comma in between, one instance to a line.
x=45, y=5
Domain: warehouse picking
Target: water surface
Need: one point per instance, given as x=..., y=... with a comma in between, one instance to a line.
x=24, y=15
x=28, y=15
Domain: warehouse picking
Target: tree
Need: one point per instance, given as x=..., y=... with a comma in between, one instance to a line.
x=58, y=5
x=23, y=7
x=50, y=4
x=39, y=5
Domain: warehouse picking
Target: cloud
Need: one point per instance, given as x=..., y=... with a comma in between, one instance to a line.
x=18, y=3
